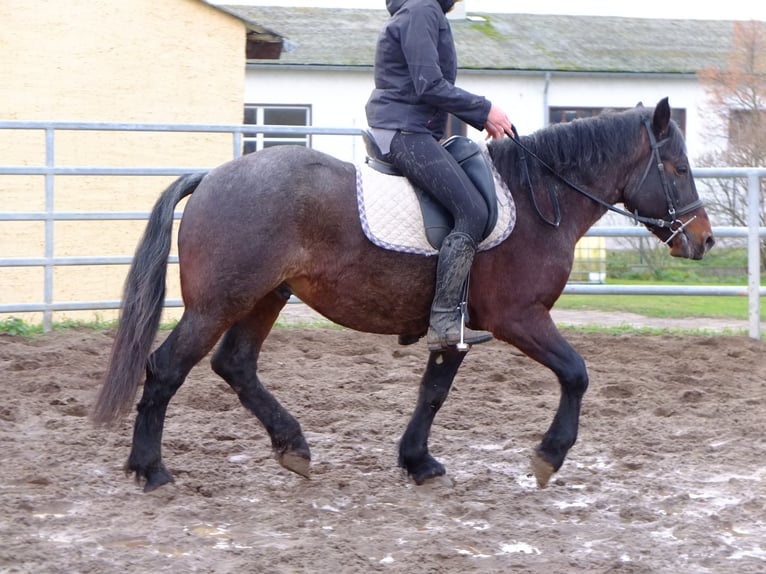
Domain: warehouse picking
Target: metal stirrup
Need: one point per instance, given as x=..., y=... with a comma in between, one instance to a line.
x=461, y=344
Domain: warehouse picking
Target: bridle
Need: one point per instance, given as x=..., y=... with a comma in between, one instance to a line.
x=674, y=212
x=671, y=220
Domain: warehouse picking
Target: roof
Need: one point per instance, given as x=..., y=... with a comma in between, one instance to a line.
x=521, y=42
x=260, y=42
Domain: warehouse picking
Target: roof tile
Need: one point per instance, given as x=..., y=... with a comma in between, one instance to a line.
x=521, y=42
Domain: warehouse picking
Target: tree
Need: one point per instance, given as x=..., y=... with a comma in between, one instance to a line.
x=737, y=97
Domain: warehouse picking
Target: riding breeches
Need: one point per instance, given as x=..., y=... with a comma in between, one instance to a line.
x=423, y=160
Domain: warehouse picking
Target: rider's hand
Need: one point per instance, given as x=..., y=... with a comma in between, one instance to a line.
x=498, y=124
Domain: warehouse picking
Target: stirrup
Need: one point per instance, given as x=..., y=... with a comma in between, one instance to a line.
x=455, y=335
x=446, y=343
x=462, y=346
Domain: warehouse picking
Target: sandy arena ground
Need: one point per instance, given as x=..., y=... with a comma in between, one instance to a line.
x=668, y=474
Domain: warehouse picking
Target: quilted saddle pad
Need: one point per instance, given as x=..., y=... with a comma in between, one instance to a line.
x=391, y=218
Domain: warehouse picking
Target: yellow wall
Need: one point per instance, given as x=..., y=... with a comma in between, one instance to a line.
x=118, y=60
x=174, y=61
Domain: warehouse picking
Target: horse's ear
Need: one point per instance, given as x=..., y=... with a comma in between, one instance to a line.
x=661, y=118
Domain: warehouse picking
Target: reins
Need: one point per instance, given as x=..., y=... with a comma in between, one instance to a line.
x=673, y=213
x=523, y=150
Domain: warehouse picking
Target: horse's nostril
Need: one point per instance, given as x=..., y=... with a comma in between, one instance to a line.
x=709, y=242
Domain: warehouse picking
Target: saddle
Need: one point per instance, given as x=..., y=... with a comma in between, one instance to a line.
x=437, y=220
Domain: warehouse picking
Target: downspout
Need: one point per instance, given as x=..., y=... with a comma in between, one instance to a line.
x=546, y=115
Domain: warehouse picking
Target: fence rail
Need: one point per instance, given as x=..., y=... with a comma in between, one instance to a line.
x=753, y=232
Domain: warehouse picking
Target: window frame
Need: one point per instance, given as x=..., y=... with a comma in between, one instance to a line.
x=255, y=141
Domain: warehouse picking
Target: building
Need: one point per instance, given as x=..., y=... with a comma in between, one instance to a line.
x=193, y=62
x=540, y=68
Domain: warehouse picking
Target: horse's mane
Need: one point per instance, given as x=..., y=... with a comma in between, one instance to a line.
x=587, y=146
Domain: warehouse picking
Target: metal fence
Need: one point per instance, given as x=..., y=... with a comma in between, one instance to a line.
x=752, y=233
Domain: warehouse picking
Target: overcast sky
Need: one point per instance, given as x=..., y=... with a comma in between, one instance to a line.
x=714, y=9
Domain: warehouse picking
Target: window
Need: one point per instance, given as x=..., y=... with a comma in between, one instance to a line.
x=267, y=115
x=563, y=115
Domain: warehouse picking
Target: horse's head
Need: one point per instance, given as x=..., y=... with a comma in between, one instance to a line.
x=663, y=195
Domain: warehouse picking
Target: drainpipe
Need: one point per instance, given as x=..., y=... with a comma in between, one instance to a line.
x=546, y=115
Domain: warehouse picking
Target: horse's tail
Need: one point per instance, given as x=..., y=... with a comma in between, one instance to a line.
x=142, y=301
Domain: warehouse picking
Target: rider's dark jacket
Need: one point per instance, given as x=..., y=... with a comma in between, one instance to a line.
x=415, y=70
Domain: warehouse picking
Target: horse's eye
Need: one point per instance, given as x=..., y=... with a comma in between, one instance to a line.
x=682, y=169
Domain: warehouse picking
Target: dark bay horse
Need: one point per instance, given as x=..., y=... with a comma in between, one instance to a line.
x=284, y=220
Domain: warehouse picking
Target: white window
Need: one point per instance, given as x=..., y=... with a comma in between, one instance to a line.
x=271, y=115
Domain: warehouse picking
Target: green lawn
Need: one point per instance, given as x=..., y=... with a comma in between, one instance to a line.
x=662, y=305
x=722, y=266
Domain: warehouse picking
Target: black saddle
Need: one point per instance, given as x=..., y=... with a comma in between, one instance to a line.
x=438, y=221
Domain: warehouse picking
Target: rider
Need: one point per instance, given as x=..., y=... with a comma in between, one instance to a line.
x=415, y=71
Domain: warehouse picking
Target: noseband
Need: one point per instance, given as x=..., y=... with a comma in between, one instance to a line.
x=670, y=222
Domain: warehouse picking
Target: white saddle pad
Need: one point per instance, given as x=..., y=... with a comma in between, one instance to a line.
x=391, y=218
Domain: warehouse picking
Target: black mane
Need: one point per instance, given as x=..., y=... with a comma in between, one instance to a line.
x=582, y=149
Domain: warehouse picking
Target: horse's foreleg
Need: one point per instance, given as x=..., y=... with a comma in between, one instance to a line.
x=165, y=372
x=236, y=361
x=434, y=388
x=546, y=345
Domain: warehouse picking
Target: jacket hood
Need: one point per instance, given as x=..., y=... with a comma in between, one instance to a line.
x=395, y=5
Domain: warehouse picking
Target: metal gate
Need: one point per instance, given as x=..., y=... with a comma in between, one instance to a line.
x=50, y=171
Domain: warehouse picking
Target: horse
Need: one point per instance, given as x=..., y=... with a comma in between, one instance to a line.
x=284, y=221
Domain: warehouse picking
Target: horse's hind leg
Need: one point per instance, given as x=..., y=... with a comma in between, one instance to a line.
x=166, y=371
x=434, y=388
x=236, y=360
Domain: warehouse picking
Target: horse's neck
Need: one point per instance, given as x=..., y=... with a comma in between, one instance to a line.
x=605, y=181
x=578, y=211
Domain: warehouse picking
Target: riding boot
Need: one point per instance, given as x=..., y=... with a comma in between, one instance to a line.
x=455, y=259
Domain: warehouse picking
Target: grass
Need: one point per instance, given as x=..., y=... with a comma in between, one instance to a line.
x=669, y=306
x=633, y=330
x=722, y=266
x=17, y=327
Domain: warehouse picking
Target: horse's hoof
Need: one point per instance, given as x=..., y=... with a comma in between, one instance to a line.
x=422, y=477
x=297, y=462
x=155, y=477
x=542, y=469
x=425, y=469
x=293, y=454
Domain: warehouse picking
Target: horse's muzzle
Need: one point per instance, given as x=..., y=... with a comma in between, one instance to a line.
x=695, y=240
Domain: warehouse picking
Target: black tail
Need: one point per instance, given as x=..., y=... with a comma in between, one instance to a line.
x=142, y=301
